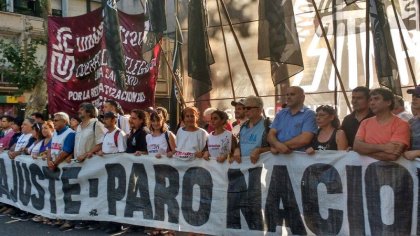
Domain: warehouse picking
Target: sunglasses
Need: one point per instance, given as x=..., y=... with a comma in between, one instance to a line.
x=249, y=108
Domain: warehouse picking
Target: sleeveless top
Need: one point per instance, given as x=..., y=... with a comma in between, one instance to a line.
x=57, y=142
x=331, y=144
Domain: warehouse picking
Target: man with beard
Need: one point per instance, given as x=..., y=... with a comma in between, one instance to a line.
x=136, y=141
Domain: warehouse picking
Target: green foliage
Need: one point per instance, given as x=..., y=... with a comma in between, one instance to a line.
x=19, y=64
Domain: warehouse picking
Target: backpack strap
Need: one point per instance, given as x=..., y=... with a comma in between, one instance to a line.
x=117, y=132
x=167, y=141
x=94, y=127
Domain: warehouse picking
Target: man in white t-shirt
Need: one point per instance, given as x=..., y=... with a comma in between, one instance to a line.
x=89, y=133
x=114, y=140
x=25, y=140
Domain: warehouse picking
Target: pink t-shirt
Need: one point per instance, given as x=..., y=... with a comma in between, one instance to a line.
x=395, y=130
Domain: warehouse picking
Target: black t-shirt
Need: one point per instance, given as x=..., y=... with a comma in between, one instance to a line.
x=350, y=126
x=137, y=141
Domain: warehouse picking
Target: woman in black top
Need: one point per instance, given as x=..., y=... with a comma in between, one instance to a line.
x=329, y=137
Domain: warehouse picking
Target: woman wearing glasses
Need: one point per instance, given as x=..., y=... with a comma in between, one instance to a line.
x=329, y=137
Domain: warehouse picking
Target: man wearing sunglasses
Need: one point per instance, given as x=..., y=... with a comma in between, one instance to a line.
x=293, y=127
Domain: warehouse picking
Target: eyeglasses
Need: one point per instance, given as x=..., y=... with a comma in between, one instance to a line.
x=249, y=108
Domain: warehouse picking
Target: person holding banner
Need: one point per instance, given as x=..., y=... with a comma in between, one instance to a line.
x=122, y=121
x=24, y=141
x=191, y=140
x=294, y=127
x=414, y=151
x=160, y=141
x=329, y=136
x=33, y=150
x=62, y=142
x=6, y=125
x=383, y=136
x=114, y=140
x=89, y=133
x=136, y=141
x=47, y=132
x=221, y=142
x=253, y=133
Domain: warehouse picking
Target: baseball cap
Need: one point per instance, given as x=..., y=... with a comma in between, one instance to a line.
x=415, y=91
x=240, y=102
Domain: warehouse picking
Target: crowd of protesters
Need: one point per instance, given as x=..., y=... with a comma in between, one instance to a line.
x=378, y=127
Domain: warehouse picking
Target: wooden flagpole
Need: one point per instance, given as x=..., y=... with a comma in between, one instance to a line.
x=367, y=52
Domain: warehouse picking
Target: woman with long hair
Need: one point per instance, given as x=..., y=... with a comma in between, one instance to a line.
x=160, y=141
x=329, y=136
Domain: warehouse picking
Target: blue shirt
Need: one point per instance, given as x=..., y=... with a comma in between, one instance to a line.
x=415, y=133
x=68, y=145
x=289, y=126
x=251, y=138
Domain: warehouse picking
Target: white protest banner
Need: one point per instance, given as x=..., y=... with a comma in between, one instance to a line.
x=327, y=193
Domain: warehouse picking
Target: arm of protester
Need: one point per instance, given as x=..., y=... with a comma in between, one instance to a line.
x=341, y=140
x=60, y=158
x=172, y=144
x=255, y=154
x=383, y=156
x=310, y=151
x=206, y=155
x=302, y=140
x=276, y=146
x=412, y=154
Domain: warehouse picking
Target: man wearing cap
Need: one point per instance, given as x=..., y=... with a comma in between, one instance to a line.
x=383, y=136
x=253, y=133
x=89, y=133
x=414, y=151
x=239, y=115
x=114, y=140
x=293, y=127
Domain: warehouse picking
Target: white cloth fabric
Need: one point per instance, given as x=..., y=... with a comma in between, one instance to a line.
x=108, y=144
x=57, y=142
x=157, y=144
x=34, y=148
x=190, y=142
x=87, y=137
x=123, y=124
x=22, y=142
x=405, y=115
x=220, y=144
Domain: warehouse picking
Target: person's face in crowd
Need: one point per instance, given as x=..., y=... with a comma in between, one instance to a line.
x=415, y=104
x=47, y=131
x=240, y=112
x=359, y=101
x=253, y=111
x=135, y=121
x=294, y=97
x=4, y=123
x=35, y=134
x=82, y=114
x=108, y=108
x=74, y=123
x=15, y=127
x=216, y=121
x=377, y=104
x=109, y=122
x=207, y=119
x=59, y=123
x=156, y=124
x=26, y=127
x=323, y=118
x=190, y=119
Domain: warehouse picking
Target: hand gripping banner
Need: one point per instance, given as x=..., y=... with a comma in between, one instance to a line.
x=328, y=193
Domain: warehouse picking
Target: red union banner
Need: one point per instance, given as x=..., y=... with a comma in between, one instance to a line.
x=78, y=69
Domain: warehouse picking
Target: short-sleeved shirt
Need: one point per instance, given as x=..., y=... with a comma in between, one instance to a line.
x=395, y=130
x=189, y=142
x=158, y=144
x=114, y=142
x=251, y=137
x=87, y=137
x=220, y=144
x=136, y=141
x=289, y=126
x=350, y=126
x=415, y=133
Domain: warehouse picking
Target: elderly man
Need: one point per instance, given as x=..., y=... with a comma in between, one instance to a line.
x=294, y=126
x=253, y=133
x=414, y=125
x=62, y=142
x=383, y=136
